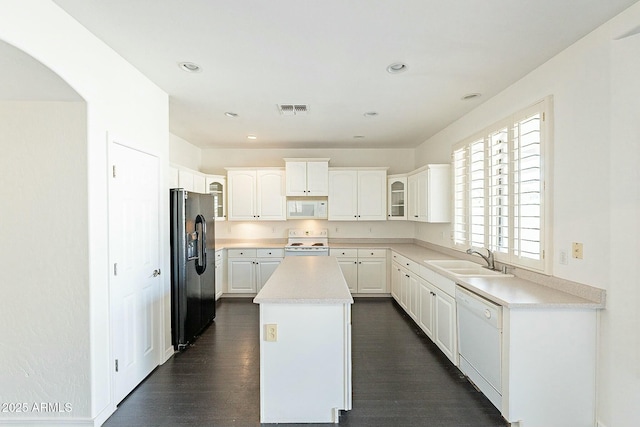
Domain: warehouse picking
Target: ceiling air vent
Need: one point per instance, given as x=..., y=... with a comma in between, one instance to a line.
x=293, y=109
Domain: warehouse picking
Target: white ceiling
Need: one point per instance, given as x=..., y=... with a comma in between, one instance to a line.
x=332, y=55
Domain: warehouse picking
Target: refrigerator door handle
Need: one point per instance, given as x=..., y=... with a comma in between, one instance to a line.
x=201, y=260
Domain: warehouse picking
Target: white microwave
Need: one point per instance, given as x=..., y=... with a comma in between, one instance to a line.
x=306, y=209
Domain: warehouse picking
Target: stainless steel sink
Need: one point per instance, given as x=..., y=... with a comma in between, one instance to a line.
x=462, y=268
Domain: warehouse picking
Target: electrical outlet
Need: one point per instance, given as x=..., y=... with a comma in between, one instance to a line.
x=564, y=257
x=576, y=251
x=271, y=332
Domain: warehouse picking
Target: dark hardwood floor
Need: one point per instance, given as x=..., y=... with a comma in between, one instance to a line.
x=400, y=378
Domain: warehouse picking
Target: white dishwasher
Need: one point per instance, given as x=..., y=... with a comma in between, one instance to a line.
x=480, y=343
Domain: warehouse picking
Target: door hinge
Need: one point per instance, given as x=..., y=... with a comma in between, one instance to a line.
x=113, y=170
x=115, y=269
x=544, y=116
x=116, y=365
x=543, y=254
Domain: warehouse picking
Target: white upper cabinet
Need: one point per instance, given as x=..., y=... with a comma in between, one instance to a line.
x=357, y=195
x=256, y=195
x=429, y=194
x=271, y=201
x=216, y=186
x=173, y=177
x=188, y=179
x=397, y=197
x=307, y=177
x=241, y=194
x=185, y=179
x=343, y=195
x=199, y=184
x=372, y=195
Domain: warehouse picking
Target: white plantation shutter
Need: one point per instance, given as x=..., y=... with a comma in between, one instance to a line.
x=477, y=194
x=499, y=189
x=528, y=188
x=460, y=168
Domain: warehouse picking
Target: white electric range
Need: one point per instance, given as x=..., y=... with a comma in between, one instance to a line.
x=307, y=243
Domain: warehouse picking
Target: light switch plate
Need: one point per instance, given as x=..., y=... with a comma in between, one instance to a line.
x=564, y=258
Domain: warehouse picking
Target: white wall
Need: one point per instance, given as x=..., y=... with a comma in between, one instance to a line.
x=398, y=160
x=596, y=154
x=183, y=153
x=251, y=230
x=114, y=92
x=44, y=289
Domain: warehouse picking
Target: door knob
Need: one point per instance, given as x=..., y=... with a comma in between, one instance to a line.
x=156, y=273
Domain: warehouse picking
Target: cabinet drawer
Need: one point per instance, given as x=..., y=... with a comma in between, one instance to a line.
x=270, y=253
x=398, y=258
x=344, y=253
x=241, y=253
x=372, y=253
x=407, y=263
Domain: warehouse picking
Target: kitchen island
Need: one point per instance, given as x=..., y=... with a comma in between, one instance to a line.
x=305, y=342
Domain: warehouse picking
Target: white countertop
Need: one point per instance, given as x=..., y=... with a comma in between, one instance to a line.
x=306, y=280
x=512, y=292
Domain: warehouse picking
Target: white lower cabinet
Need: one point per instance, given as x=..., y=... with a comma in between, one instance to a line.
x=429, y=299
x=396, y=279
x=365, y=270
x=446, y=330
x=219, y=267
x=249, y=269
x=427, y=313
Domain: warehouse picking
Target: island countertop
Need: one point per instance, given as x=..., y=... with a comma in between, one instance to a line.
x=306, y=280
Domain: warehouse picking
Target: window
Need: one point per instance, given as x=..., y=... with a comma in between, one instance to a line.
x=499, y=184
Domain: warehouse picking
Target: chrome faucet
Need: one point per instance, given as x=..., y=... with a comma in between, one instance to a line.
x=489, y=258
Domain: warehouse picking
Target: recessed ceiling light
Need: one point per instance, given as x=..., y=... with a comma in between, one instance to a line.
x=371, y=114
x=189, y=67
x=358, y=136
x=470, y=96
x=230, y=114
x=397, y=67
x=252, y=137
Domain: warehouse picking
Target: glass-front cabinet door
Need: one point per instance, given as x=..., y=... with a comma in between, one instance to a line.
x=397, y=197
x=216, y=187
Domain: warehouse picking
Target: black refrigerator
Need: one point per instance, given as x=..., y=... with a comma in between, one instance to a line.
x=192, y=265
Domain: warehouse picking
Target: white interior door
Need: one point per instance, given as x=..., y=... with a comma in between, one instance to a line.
x=134, y=254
